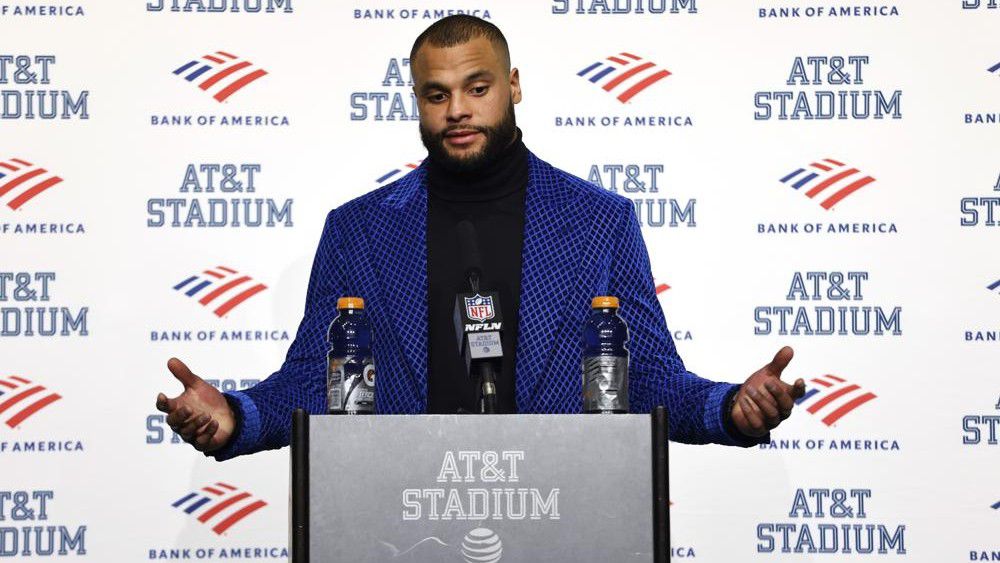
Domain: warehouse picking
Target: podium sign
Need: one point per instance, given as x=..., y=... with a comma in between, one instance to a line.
x=476, y=488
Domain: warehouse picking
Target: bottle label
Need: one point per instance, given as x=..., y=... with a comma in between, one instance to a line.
x=351, y=385
x=605, y=384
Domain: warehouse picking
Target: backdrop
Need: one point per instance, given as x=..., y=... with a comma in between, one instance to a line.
x=817, y=174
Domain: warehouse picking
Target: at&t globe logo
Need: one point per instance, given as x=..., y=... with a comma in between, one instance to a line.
x=482, y=545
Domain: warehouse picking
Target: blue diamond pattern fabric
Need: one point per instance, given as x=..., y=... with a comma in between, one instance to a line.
x=580, y=241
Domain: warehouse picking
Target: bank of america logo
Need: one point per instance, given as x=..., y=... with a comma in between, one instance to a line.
x=20, y=399
x=661, y=287
x=624, y=75
x=21, y=181
x=393, y=173
x=994, y=286
x=220, y=289
x=996, y=505
x=828, y=179
x=995, y=68
x=220, y=506
x=222, y=74
x=833, y=398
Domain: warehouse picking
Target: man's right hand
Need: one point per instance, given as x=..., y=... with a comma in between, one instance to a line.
x=200, y=414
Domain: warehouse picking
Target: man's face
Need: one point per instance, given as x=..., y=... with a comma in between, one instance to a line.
x=466, y=101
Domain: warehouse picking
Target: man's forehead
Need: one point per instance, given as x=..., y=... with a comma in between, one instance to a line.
x=456, y=61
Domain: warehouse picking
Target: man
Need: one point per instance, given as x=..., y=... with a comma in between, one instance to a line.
x=552, y=241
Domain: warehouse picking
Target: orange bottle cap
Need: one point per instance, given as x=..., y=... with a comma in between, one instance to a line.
x=350, y=303
x=604, y=302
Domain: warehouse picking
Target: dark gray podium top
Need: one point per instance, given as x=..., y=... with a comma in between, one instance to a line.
x=480, y=489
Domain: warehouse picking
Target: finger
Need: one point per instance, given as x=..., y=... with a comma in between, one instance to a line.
x=190, y=427
x=182, y=372
x=204, y=436
x=740, y=419
x=755, y=420
x=780, y=360
x=164, y=403
x=177, y=418
x=201, y=441
x=767, y=405
x=799, y=389
x=212, y=427
x=782, y=396
x=205, y=427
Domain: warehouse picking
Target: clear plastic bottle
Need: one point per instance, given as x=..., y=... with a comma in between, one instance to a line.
x=605, y=358
x=350, y=374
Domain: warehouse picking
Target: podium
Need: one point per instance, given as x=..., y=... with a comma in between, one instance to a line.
x=479, y=488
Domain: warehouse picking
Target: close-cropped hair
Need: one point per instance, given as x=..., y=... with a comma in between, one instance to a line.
x=458, y=29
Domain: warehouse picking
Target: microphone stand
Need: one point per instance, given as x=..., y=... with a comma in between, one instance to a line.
x=487, y=376
x=488, y=389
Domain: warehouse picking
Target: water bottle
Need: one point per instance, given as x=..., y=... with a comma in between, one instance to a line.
x=350, y=374
x=605, y=358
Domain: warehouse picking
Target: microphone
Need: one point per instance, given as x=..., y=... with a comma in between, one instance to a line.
x=468, y=247
x=478, y=322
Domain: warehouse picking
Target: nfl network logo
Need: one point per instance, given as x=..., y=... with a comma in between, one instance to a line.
x=479, y=308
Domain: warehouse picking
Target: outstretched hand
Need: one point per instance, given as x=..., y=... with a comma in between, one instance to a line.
x=764, y=400
x=200, y=414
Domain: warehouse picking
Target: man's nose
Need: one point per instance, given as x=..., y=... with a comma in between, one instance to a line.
x=458, y=108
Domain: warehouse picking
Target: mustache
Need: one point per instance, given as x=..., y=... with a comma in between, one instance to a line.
x=477, y=128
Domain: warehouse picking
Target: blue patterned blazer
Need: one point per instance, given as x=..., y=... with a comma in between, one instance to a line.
x=579, y=241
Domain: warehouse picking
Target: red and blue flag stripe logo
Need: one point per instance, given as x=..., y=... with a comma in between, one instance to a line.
x=221, y=287
x=219, y=505
x=833, y=398
x=661, y=287
x=994, y=68
x=994, y=286
x=221, y=73
x=21, y=181
x=393, y=173
x=831, y=176
x=624, y=75
x=20, y=399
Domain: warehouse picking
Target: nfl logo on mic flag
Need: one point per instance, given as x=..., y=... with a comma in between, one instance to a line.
x=479, y=308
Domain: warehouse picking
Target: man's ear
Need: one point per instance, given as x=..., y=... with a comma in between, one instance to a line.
x=515, y=85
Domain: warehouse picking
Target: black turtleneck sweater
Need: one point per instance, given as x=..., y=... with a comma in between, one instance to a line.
x=493, y=200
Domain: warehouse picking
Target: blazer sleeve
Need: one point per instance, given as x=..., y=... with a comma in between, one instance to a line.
x=657, y=375
x=264, y=411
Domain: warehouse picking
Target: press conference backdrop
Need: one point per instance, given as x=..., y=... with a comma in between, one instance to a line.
x=817, y=174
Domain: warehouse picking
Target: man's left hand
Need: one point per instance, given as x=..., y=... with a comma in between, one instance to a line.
x=764, y=400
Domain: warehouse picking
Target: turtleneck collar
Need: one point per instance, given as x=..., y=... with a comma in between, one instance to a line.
x=504, y=176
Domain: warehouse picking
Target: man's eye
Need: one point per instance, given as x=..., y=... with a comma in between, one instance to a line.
x=436, y=97
x=479, y=89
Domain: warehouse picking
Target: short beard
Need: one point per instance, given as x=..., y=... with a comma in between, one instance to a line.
x=498, y=137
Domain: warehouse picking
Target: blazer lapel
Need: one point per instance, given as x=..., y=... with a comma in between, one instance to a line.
x=550, y=267
x=398, y=234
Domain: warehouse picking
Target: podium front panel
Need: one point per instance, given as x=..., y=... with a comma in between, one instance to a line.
x=480, y=489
